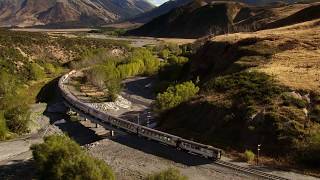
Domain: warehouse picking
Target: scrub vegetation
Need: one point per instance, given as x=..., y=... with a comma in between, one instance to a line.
x=243, y=102
x=27, y=62
x=109, y=71
x=169, y=174
x=59, y=157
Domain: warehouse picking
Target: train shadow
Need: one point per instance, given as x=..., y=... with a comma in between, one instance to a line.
x=57, y=111
x=18, y=170
x=160, y=150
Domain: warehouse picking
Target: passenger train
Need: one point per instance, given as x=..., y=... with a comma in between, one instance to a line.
x=142, y=131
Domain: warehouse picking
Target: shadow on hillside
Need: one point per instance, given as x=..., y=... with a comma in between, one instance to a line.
x=56, y=111
x=160, y=150
x=18, y=170
x=138, y=87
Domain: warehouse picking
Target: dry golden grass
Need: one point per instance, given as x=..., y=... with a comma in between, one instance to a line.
x=298, y=65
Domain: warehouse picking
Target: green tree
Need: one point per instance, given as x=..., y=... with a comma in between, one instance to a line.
x=17, y=118
x=170, y=174
x=175, y=95
x=61, y=158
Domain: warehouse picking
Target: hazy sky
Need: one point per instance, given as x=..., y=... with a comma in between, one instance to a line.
x=158, y=2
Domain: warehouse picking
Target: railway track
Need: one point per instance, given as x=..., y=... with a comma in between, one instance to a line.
x=245, y=170
x=248, y=170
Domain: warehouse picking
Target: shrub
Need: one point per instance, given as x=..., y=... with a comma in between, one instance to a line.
x=61, y=158
x=177, y=60
x=114, y=88
x=36, y=71
x=175, y=95
x=170, y=174
x=164, y=54
x=17, y=118
x=3, y=127
x=247, y=87
x=7, y=83
x=315, y=113
x=249, y=156
x=49, y=68
x=288, y=100
x=310, y=154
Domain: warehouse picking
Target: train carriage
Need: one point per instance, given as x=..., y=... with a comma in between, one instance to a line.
x=126, y=125
x=201, y=149
x=158, y=136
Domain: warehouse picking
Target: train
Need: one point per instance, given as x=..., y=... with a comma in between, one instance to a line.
x=177, y=142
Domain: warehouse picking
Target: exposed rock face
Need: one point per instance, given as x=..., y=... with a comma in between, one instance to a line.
x=83, y=12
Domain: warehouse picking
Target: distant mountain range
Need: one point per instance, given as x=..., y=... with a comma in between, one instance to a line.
x=207, y=17
x=172, y=4
x=163, y=9
x=73, y=12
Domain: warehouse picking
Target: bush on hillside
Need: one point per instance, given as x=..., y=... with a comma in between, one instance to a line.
x=249, y=156
x=247, y=87
x=289, y=99
x=36, y=72
x=17, y=119
x=3, y=127
x=61, y=158
x=175, y=95
x=173, y=70
x=7, y=83
x=315, y=113
x=177, y=60
x=310, y=154
x=164, y=54
x=49, y=68
x=170, y=174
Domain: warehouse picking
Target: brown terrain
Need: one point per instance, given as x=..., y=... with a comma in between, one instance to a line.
x=196, y=19
x=298, y=66
x=68, y=12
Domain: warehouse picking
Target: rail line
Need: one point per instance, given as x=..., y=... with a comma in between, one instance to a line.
x=249, y=170
x=245, y=170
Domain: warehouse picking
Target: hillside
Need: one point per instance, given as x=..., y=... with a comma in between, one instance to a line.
x=196, y=20
x=79, y=12
x=256, y=88
x=161, y=10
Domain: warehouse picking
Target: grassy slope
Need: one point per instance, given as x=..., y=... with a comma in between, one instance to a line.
x=31, y=60
x=247, y=80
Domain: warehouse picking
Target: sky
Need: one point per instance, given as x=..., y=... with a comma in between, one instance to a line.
x=158, y=2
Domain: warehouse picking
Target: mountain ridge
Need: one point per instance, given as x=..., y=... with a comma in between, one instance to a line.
x=83, y=12
x=210, y=17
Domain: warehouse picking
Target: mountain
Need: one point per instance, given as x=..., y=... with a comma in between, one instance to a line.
x=201, y=18
x=163, y=9
x=80, y=12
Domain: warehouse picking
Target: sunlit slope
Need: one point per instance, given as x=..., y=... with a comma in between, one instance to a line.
x=297, y=62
